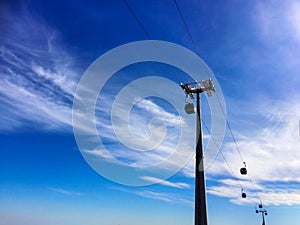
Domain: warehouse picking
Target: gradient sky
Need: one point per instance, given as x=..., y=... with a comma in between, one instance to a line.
x=253, y=49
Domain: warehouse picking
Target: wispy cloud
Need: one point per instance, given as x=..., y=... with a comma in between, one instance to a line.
x=277, y=22
x=274, y=58
x=144, y=135
x=37, y=87
x=271, y=152
x=156, y=195
x=166, y=183
x=37, y=80
x=166, y=197
x=157, y=111
x=170, y=197
x=66, y=192
x=269, y=196
x=99, y=153
x=285, y=196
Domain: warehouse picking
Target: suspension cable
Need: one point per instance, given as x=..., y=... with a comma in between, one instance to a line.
x=138, y=20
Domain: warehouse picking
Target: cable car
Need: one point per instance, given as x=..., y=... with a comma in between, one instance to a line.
x=189, y=108
x=243, y=170
x=243, y=194
x=260, y=206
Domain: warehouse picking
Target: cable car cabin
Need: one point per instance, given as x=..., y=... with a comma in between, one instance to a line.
x=260, y=206
x=244, y=195
x=243, y=171
x=189, y=108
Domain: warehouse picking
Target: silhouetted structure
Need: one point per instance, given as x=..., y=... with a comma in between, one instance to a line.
x=200, y=193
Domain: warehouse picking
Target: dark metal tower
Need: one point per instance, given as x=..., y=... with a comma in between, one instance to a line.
x=263, y=213
x=200, y=190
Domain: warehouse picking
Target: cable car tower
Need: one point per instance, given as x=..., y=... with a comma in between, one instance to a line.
x=262, y=211
x=200, y=194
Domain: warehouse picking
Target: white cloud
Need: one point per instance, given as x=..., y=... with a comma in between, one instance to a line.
x=37, y=80
x=66, y=192
x=37, y=85
x=166, y=183
x=281, y=197
x=24, y=106
x=99, y=153
x=275, y=196
x=157, y=111
x=60, y=77
x=275, y=22
x=148, y=141
x=293, y=18
x=162, y=196
x=238, y=183
x=272, y=156
x=156, y=195
x=166, y=197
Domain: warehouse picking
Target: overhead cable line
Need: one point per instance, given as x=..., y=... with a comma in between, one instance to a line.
x=149, y=36
x=231, y=171
x=227, y=163
x=230, y=130
x=186, y=26
x=237, y=147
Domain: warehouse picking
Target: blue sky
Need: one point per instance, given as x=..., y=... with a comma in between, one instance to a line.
x=45, y=47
